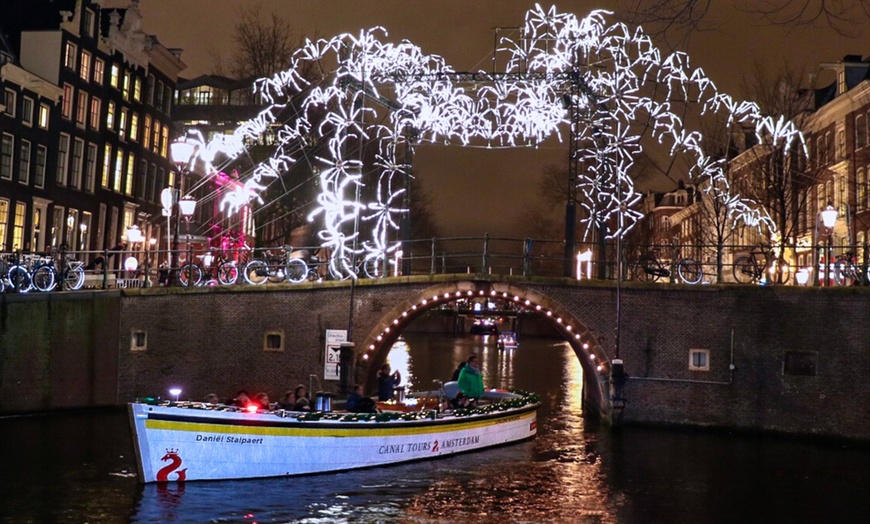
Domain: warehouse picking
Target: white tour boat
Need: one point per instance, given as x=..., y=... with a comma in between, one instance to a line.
x=181, y=441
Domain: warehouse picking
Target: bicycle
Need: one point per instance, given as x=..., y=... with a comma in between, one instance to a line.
x=276, y=267
x=14, y=276
x=847, y=271
x=649, y=268
x=46, y=275
x=750, y=269
x=212, y=269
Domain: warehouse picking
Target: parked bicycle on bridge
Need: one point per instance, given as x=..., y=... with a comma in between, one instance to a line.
x=751, y=269
x=848, y=272
x=649, y=267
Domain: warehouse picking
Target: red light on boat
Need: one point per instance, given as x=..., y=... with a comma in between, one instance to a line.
x=252, y=408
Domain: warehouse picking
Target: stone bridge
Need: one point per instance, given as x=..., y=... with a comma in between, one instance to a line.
x=784, y=359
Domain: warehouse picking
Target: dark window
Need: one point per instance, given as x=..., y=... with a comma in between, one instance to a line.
x=800, y=363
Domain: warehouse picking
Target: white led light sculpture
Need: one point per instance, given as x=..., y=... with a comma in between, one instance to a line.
x=613, y=77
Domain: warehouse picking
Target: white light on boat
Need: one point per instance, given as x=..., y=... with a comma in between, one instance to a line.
x=410, y=401
x=175, y=392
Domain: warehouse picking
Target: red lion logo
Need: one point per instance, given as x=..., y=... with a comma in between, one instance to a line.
x=163, y=474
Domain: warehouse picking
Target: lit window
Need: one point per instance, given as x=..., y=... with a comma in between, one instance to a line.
x=125, y=86
x=107, y=163
x=137, y=88
x=85, y=66
x=134, y=126
x=95, y=112
x=119, y=170
x=4, y=221
x=699, y=360
x=122, y=124
x=69, y=58
x=44, y=112
x=146, y=132
x=116, y=72
x=110, y=116
x=99, y=69
x=18, y=225
x=66, y=102
x=128, y=177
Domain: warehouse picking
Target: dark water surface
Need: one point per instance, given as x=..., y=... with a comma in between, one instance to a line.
x=79, y=468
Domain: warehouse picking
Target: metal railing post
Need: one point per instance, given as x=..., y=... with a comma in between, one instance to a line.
x=105, y=268
x=432, y=267
x=485, y=254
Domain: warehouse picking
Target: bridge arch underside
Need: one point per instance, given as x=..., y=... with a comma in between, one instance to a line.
x=590, y=353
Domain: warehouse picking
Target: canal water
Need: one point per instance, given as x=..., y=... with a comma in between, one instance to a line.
x=79, y=468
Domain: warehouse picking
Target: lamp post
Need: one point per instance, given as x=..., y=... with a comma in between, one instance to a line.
x=187, y=206
x=134, y=236
x=829, y=219
x=181, y=152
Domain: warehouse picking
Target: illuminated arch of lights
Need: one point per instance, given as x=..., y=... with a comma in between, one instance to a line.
x=576, y=333
x=620, y=86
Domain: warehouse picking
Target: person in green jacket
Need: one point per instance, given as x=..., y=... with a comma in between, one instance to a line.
x=471, y=380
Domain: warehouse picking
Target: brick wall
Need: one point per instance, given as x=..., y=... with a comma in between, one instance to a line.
x=212, y=340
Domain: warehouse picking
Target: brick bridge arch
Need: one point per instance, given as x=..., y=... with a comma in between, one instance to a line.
x=594, y=360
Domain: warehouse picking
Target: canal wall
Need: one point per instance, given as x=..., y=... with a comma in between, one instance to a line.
x=789, y=360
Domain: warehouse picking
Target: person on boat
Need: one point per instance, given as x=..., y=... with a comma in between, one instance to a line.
x=387, y=382
x=353, y=398
x=288, y=401
x=242, y=399
x=211, y=398
x=471, y=380
x=302, y=402
x=263, y=401
x=458, y=369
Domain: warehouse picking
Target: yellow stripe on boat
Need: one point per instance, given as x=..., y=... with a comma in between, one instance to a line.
x=392, y=430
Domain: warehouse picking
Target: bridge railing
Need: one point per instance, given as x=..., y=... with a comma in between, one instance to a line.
x=143, y=267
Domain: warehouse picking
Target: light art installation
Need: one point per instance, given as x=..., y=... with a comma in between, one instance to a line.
x=609, y=83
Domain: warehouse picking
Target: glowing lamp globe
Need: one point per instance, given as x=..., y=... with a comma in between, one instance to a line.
x=134, y=234
x=187, y=205
x=829, y=216
x=181, y=151
x=131, y=264
x=175, y=392
x=802, y=277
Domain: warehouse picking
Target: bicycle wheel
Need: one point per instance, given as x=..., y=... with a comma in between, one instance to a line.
x=255, y=272
x=744, y=270
x=647, y=269
x=19, y=279
x=297, y=270
x=190, y=275
x=227, y=273
x=374, y=267
x=778, y=271
x=74, y=278
x=690, y=271
x=43, y=278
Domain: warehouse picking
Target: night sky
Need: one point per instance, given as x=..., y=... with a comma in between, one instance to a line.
x=475, y=190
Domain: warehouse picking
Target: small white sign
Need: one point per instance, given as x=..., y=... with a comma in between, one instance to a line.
x=331, y=362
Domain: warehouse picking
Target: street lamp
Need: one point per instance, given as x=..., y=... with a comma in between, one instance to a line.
x=187, y=206
x=181, y=152
x=134, y=236
x=829, y=219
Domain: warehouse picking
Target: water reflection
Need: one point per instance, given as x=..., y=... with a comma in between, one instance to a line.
x=77, y=468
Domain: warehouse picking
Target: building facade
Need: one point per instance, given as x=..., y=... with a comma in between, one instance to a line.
x=86, y=154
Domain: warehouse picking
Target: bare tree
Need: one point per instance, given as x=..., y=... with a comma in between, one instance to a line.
x=780, y=174
x=675, y=20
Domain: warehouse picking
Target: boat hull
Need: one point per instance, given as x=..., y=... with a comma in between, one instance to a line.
x=182, y=444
